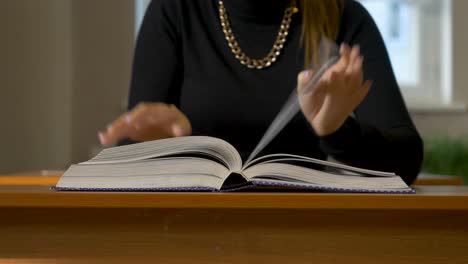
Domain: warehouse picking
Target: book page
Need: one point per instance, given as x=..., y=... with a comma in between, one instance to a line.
x=160, y=173
x=292, y=174
x=278, y=158
x=212, y=147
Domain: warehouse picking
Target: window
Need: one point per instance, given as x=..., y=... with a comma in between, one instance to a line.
x=417, y=34
x=140, y=8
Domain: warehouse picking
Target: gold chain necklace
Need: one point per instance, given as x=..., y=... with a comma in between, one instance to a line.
x=272, y=56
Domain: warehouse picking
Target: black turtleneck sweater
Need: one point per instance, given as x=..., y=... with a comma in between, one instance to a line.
x=182, y=58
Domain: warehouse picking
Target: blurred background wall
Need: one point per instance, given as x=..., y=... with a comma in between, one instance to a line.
x=65, y=71
x=36, y=85
x=103, y=38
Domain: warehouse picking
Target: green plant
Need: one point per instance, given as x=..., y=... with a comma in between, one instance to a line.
x=446, y=156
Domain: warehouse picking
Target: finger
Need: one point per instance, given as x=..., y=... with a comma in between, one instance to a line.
x=357, y=68
x=156, y=120
x=331, y=77
x=345, y=53
x=125, y=125
x=365, y=88
x=304, y=85
x=166, y=131
x=152, y=116
x=353, y=58
x=140, y=110
x=320, y=88
x=345, y=50
x=161, y=117
x=354, y=54
x=119, y=122
x=129, y=124
x=177, y=130
x=103, y=138
x=312, y=102
x=114, y=132
x=109, y=138
x=340, y=66
x=303, y=79
x=355, y=75
x=118, y=126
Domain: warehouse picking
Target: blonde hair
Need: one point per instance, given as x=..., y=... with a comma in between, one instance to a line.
x=319, y=18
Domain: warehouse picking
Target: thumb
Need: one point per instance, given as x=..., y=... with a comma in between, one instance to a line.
x=303, y=78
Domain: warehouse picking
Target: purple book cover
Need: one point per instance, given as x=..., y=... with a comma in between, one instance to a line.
x=279, y=187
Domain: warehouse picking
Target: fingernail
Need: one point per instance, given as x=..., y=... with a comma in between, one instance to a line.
x=306, y=73
x=102, y=139
x=347, y=48
x=128, y=119
x=344, y=48
x=177, y=130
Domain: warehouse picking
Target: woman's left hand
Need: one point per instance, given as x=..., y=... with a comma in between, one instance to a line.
x=337, y=94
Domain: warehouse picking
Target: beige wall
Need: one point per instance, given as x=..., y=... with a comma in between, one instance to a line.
x=65, y=71
x=103, y=36
x=36, y=89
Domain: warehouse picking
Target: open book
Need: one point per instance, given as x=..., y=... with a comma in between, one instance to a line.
x=210, y=164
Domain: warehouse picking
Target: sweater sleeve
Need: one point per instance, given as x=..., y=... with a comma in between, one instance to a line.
x=382, y=135
x=157, y=59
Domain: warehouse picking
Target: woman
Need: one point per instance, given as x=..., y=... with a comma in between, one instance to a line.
x=195, y=73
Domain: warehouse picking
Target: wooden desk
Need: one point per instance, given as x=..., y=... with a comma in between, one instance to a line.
x=48, y=178
x=42, y=177
x=434, y=179
x=42, y=226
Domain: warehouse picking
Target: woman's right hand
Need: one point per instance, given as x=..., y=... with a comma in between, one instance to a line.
x=147, y=121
